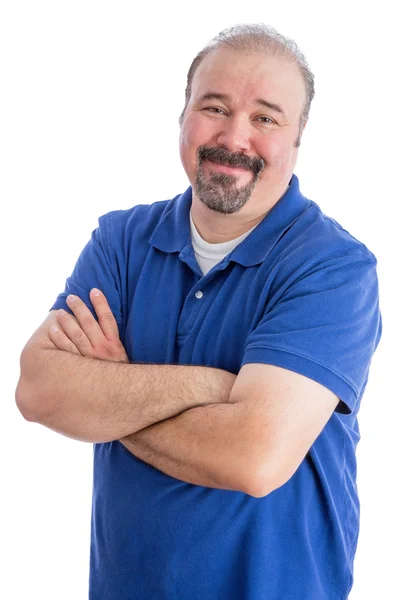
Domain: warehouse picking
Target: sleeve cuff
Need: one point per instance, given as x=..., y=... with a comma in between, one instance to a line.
x=308, y=368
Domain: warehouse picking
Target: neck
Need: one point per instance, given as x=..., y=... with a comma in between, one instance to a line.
x=216, y=228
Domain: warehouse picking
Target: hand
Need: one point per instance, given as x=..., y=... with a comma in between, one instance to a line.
x=82, y=334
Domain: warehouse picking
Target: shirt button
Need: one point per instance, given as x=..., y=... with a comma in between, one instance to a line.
x=199, y=294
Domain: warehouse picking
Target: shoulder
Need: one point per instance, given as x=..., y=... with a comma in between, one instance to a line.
x=322, y=236
x=317, y=242
x=141, y=218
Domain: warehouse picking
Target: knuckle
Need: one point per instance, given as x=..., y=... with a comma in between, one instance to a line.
x=108, y=317
x=79, y=335
x=70, y=348
x=87, y=321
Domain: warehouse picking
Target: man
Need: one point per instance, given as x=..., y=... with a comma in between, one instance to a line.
x=215, y=348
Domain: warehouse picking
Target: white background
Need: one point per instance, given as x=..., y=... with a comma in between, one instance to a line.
x=90, y=98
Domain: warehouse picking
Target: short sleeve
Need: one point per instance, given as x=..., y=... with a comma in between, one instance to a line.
x=326, y=326
x=95, y=268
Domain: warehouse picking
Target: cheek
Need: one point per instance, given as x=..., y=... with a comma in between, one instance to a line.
x=197, y=131
x=188, y=151
x=194, y=133
x=276, y=151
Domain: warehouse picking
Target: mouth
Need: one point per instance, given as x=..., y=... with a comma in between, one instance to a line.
x=225, y=168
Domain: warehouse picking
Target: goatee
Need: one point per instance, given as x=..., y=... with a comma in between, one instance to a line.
x=218, y=191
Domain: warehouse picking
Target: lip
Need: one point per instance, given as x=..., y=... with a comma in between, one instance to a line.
x=226, y=168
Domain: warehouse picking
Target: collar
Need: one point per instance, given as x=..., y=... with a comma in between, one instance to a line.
x=172, y=234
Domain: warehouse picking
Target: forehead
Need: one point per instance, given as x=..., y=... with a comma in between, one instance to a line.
x=248, y=76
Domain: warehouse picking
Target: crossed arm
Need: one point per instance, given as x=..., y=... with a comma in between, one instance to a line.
x=177, y=418
x=198, y=424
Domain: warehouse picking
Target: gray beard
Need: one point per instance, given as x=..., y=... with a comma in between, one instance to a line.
x=220, y=193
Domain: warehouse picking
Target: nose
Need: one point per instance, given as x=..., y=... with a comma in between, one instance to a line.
x=234, y=134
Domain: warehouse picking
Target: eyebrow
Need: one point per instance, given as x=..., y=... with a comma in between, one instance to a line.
x=226, y=97
x=214, y=96
x=270, y=105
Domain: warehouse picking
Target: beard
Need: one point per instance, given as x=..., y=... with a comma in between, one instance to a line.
x=219, y=191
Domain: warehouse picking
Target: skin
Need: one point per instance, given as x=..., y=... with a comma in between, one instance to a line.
x=241, y=126
x=260, y=394
x=252, y=439
x=83, y=335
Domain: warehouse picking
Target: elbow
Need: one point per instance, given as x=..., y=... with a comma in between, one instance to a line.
x=262, y=480
x=26, y=401
x=27, y=398
x=258, y=488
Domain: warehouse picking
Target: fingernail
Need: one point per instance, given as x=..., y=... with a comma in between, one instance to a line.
x=95, y=292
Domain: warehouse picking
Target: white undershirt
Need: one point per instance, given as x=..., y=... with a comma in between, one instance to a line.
x=208, y=255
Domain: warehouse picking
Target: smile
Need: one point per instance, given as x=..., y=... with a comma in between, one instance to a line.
x=226, y=168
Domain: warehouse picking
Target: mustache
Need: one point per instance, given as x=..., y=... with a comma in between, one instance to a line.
x=223, y=157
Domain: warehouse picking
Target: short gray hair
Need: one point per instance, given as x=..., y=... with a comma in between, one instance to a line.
x=262, y=38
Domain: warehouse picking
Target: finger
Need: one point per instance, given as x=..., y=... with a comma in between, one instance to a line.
x=85, y=320
x=58, y=337
x=74, y=332
x=105, y=315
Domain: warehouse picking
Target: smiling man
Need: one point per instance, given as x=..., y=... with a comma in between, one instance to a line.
x=215, y=348
x=240, y=136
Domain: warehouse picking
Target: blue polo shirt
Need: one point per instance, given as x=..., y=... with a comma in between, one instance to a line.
x=299, y=292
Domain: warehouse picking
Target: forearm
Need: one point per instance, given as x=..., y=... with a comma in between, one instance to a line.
x=96, y=401
x=205, y=446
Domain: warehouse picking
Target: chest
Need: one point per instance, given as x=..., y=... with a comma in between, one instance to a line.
x=175, y=315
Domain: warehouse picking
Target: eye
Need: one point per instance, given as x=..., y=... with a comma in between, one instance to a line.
x=265, y=120
x=215, y=110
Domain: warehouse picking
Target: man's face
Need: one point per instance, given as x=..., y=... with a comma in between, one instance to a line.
x=239, y=130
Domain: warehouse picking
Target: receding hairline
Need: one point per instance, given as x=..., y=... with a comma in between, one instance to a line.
x=257, y=38
x=215, y=93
